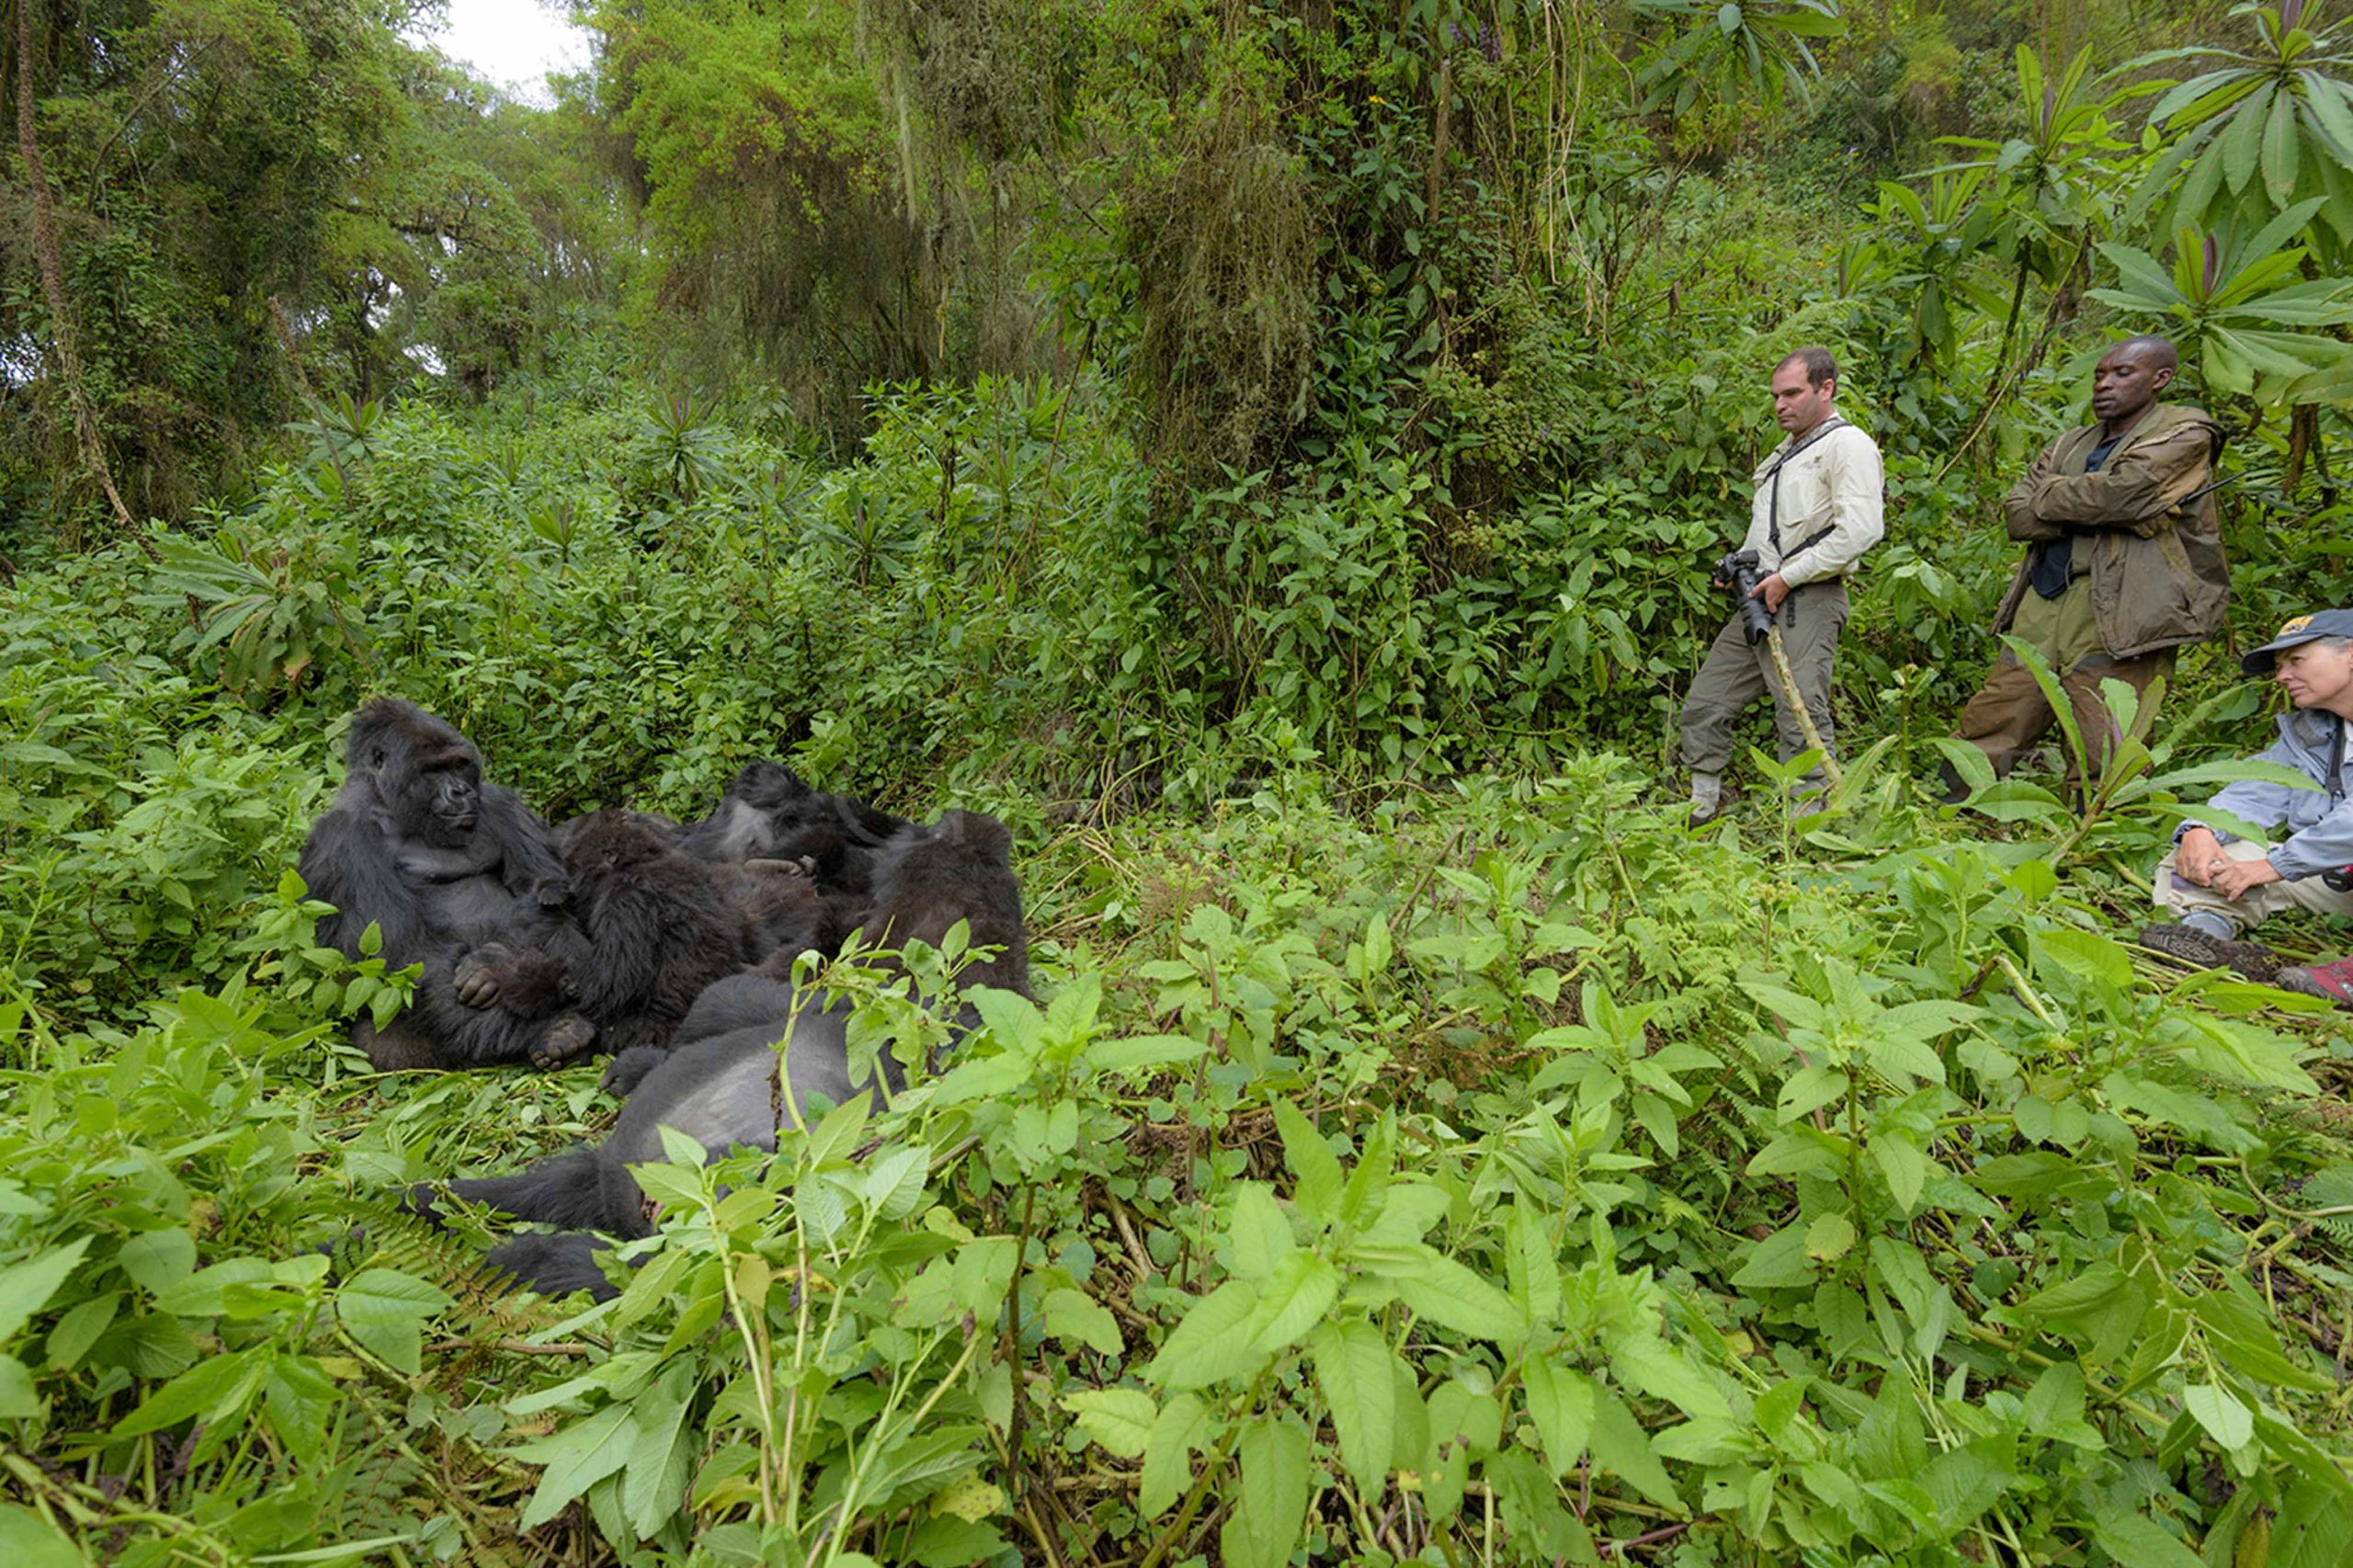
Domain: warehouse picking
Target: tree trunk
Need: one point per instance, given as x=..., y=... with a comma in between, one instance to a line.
x=2304, y=424
x=52, y=283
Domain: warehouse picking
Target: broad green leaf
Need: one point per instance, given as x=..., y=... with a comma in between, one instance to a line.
x=1208, y=1346
x=1903, y=1166
x=1561, y=1403
x=212, y=1390
x=25, y=1288
x=1141, y=1050
x=2243, y=138
x=2136, y=1541
x=1801, y=1011
x=1829, y=1237
x=1074, y=1318
x=1807, y=1090
x=1314, y=1167
x=662, y=1445
x=1446, y=1293
x=2244, y=1330
x=1651, y=1365
x=1181, y=1428
x=300, y=1399
x=1778, y=1261
x=157, y=1260
x=384, y=1310
x=1532, y=1269
x=1259, y=1232
x=894, y=1181
x=1355, y=1369
x=1273, y=1457
x=1620, y=1447
x=576, y=1458
x=2227, y=1421
x=2279, y=150
x=19, y=1399
x=2086, y=955
x=1120, y=1420
x=1293, y=1301
x=27, y=1541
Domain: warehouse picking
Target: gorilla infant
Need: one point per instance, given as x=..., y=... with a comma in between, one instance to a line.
x=725, y=1085
x=654, y=928
x=441, y=863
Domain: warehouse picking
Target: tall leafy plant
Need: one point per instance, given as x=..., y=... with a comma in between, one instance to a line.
x=2242, y=310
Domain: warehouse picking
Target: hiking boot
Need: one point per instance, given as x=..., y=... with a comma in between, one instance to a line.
x=1707, y=798
x=2206, y=950
x=2330, y=981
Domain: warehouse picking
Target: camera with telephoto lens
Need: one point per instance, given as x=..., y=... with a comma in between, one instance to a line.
x=1739, y=569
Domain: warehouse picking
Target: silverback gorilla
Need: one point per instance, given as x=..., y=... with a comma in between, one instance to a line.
x=720, y=1082
x=441, y=862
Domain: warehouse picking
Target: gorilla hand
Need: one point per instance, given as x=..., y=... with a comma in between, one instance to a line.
x=531, y=985
x=480, y=974
x=566, y=1038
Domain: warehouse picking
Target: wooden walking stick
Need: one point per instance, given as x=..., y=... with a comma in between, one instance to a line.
x=1830, y=768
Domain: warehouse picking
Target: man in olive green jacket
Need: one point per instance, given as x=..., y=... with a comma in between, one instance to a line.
x=2124, y=560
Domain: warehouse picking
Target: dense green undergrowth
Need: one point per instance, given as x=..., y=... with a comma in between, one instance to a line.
x=1509, y=1175
x=1478, y=1167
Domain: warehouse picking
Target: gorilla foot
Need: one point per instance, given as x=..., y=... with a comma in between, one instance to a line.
x=478, y=976
x=627, y=1071
x=566, y=1038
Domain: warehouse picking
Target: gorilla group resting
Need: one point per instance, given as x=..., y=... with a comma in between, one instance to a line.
x=538, y=944
x=725, y=1085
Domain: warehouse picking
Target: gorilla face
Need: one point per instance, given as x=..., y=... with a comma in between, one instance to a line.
x=426, y=775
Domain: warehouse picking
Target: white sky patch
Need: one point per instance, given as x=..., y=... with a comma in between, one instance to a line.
x=514, y=43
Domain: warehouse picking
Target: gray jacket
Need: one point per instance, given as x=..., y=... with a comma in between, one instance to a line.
x=2319, y=824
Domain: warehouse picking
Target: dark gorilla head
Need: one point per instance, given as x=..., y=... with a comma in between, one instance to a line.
x=959, y=868
x=426, y=776
x=612, y=845
x=768, y=785
x=745, y=824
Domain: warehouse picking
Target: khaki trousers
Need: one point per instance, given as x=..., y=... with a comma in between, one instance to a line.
x=2010, y=713
x=1735, y=675
x=2260, y=903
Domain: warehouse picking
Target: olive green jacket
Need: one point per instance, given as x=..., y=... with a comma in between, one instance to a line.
x=2158, y=577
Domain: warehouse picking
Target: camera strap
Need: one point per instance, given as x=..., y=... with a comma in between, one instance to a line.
x=1773, y=504
x=2337, y=767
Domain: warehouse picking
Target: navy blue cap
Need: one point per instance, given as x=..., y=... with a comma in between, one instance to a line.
x=2295, y=634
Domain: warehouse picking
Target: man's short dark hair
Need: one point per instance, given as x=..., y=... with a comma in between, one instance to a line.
x=1819, y=365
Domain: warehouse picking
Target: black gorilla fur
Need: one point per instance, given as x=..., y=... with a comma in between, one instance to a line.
x=720, y=1084
x=562, y=834
x=657, y=929
x=767, y=813
x=786, y=910
x=441, y=863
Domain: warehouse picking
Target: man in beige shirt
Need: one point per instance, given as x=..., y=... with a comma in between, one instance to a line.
x=1817, y=509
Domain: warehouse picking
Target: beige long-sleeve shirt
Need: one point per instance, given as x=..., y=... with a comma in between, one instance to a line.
x=1831, y=507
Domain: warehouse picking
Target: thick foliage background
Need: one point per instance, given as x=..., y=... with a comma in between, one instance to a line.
x=1267, y=456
